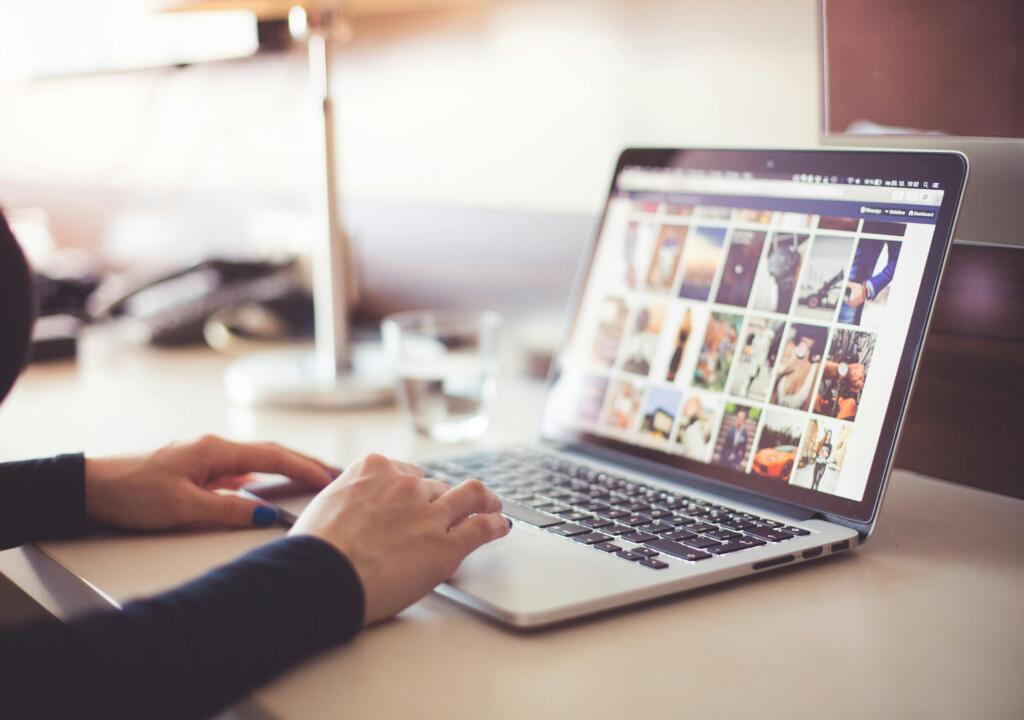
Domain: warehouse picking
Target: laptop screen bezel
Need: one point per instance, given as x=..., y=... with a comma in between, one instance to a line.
x=947, y=168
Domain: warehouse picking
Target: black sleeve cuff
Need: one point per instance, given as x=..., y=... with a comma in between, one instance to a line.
x=238, y=626
x=42, y=499
x=192, y=651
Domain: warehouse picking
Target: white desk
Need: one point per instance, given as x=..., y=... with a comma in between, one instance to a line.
x=923, y=621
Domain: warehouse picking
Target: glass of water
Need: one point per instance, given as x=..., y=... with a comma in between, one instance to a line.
x=445, y=364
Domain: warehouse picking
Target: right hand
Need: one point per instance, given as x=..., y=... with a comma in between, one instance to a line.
x=403, y=533
x=856, y=295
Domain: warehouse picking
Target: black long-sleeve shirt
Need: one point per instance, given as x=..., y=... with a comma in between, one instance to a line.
x=186, y=653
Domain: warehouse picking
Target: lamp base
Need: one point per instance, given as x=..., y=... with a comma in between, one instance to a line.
x=289, y=378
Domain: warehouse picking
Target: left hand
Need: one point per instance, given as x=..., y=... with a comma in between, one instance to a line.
x=177, y=485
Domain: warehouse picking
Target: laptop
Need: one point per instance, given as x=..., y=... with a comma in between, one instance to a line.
x=728, y=396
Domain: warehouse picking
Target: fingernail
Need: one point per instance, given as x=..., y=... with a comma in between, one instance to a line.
x=264, y=515
x=508, y=521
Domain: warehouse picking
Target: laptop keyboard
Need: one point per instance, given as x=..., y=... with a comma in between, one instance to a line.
x=611, y=514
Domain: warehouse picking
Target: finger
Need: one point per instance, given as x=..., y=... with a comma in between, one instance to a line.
x=228, y=509
x=466, y=498
x=479, y=530
x=224, y=457
x=434, y=488
x=332, y=469
x=407, y=468
x=230, y=482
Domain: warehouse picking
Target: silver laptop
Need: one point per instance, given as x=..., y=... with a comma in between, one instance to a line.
x=728, y=396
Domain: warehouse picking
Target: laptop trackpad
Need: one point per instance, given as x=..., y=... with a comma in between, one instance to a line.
x=527, y=573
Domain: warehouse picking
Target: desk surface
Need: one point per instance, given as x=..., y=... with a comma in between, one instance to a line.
x=923, y=621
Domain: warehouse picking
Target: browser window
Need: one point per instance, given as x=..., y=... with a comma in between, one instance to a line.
x=753, y=324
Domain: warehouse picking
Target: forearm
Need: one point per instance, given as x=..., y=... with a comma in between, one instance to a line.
x=881, y=280
x=189, y=652
x=42, y=499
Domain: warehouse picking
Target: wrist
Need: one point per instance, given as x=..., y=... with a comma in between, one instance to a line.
x=102, y=496
x=337, y=568
x=96, y=471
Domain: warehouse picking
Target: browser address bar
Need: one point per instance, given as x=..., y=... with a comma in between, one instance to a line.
x=639, y=180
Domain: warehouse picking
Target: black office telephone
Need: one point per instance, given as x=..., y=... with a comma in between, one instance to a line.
x=173, y=308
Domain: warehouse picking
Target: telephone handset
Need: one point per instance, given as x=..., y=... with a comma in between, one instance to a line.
x=173, y=307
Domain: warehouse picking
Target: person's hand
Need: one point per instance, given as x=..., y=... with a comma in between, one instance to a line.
x=403, y=533
x=857, y=294
x=177, y=485
x=797, y=371
x=855, y=376
x=830, y=370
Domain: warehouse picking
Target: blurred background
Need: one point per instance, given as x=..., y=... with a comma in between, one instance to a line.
x=452, y=116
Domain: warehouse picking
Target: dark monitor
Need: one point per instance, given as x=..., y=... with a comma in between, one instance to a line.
x=945, y=66
x=934, y=74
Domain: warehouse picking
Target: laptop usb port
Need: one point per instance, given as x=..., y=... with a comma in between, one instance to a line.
x=812, y=553
x=840, y=546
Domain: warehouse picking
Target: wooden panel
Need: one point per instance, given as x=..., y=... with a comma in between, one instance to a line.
x=966, y=418
x=900, y=63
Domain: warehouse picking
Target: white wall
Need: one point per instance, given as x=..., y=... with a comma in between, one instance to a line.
x=522, y=104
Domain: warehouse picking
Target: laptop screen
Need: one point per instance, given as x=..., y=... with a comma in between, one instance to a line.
x=749, y=323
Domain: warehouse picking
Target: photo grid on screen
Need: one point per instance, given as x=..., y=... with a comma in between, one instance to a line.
x=740, y=337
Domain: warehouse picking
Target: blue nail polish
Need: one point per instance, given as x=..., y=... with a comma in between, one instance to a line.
x=264, y=515
x=508, y=521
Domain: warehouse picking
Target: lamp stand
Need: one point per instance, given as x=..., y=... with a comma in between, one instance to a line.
x=336, y=372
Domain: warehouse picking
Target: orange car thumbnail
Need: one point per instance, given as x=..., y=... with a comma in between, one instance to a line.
x=775, y=462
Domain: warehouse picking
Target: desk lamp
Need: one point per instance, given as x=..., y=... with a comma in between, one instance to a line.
x=337, y=372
